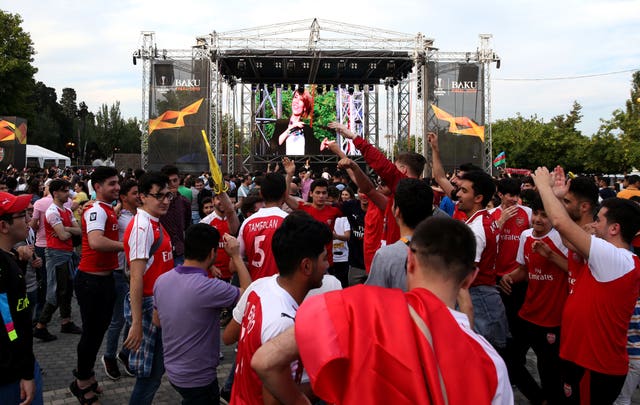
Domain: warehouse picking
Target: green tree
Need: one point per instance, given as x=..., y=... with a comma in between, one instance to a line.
x=44, y=126
x=16, y=70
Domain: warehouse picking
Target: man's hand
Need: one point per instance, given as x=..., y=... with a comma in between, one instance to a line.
x=25, y=252
x=559, y=184
x=432, y=138
x=542, y=178
x=541, y=248
x=343, y=129
x=289, y=166
x=345, y=163
x=231, y=245
x=27, y=391
x=505, y=284
x=36, y=263
x=507, y=214
x=134, y=338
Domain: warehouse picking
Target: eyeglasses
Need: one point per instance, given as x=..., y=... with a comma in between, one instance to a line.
x=161, y=197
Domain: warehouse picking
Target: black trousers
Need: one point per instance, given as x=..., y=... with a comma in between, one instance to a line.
x=209, y=395
x=603, y=388
x=96, y=296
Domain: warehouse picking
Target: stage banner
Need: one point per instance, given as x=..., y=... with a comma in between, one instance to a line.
x=456, y=112
x=179, y=112
x=13, y=142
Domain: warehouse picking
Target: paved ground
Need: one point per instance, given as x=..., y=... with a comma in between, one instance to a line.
x=58, y=358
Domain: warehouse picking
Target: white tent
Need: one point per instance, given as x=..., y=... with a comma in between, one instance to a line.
x=37, y=156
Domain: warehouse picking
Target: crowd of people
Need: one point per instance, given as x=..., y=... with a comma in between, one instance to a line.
x=336, y=288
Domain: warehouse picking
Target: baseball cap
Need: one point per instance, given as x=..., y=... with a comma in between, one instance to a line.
x=12, y=204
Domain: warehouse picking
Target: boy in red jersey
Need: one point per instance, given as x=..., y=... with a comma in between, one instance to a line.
x=149, y=252
x=94, y=283
x=542, y=261
x=224, y=219
x=257, y=231
x=597, y=312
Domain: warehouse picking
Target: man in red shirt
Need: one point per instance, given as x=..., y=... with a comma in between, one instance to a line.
x=598, y=310
x=149, y=252
x=60, y=225
x=94, y=283
x=257, y=231
x=319, y=208
x=407, y=164
x=224, y=219
x=476, y=188
x=422, y=356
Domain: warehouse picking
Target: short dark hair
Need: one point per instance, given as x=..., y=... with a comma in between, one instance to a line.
x=127, y=185
x=585, y=190
x=333, y=191
x=57, y=185
x=318, y=183
x=298, y=237
x=169, y=170
x=248, y=203
x=414, y=199
x=482, y=184
x=625, y=213
x=509, y=186
x=469, y=167
x=102, y=173
x=445, y=246
x=138, y=173
x=536, y=203
x=413, y=160
x=199, y=239
x=528, y=180
x=148, y=180
x=273, y=187
x=633, y=179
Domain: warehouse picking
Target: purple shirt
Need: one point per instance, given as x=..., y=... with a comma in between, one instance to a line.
x=189, y=305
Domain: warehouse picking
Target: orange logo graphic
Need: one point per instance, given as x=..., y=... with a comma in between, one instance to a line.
x=9, y=132
x=472, y=129
x=165, y=120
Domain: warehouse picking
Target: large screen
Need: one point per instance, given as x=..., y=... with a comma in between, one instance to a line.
x=456, y=112
x=179, y=111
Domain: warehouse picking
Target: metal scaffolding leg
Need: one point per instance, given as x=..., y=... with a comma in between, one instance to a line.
x=390, y=121
x=371, y=115
x=231, y=128
x=350, y=111
x=216, y=110
x=147, y=54
x=403, y=113
x=247, y=123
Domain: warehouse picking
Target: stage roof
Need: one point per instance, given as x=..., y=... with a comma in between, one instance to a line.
x=314, y=66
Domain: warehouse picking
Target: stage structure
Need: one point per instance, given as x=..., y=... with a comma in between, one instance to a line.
x=366, y=68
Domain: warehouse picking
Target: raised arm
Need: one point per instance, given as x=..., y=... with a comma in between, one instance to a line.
x=437, y=170
x=290, y=169
x=230, y=214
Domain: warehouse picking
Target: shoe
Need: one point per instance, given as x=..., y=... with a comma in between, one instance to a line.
x=70, y=327
x=124, y=360
x=225, y=396
x=43, y=334
x=111, y=368
x=221, y=356
x=81, y=393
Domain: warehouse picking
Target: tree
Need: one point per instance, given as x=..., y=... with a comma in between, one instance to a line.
x=16, y=70
x=44, y=126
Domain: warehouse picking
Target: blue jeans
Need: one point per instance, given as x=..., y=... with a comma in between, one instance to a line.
x=145, y=388
x=56, y=259
x=195, y=217
x=490, y=318
x=10, y=393
x=208, y=395
x=117, y=319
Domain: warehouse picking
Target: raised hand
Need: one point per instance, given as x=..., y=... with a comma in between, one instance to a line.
x=289, y=166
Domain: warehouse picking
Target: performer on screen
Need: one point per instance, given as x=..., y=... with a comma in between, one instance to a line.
x=301, y=107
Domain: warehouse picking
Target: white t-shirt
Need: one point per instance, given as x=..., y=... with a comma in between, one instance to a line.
x=340, y=247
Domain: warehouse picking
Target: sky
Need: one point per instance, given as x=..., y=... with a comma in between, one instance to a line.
x=88, y=45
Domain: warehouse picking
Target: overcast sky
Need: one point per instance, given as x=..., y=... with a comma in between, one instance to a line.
x=88, y=45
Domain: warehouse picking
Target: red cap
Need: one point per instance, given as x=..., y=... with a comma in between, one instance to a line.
x=12, y=204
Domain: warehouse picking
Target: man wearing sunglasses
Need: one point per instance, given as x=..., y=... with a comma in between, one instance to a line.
x=149, y=252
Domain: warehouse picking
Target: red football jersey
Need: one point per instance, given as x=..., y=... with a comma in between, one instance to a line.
x=98, y=216
x=548, y=284
x=255, y=238
x=326, y=215
x=485, y=232
x=222, y=258
x=596, y=315
x=509, y=238
x=54, y=216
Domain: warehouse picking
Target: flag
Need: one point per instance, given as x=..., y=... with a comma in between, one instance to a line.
x=501, y=159
x=219, y=186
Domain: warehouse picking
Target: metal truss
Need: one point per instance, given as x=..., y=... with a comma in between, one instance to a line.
x=146, y=52
x=247, y=119
x=404, y=98
x=371, y=132
x=486, y=56
x=231, y=129
x=350, y=111
x=390, y=121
